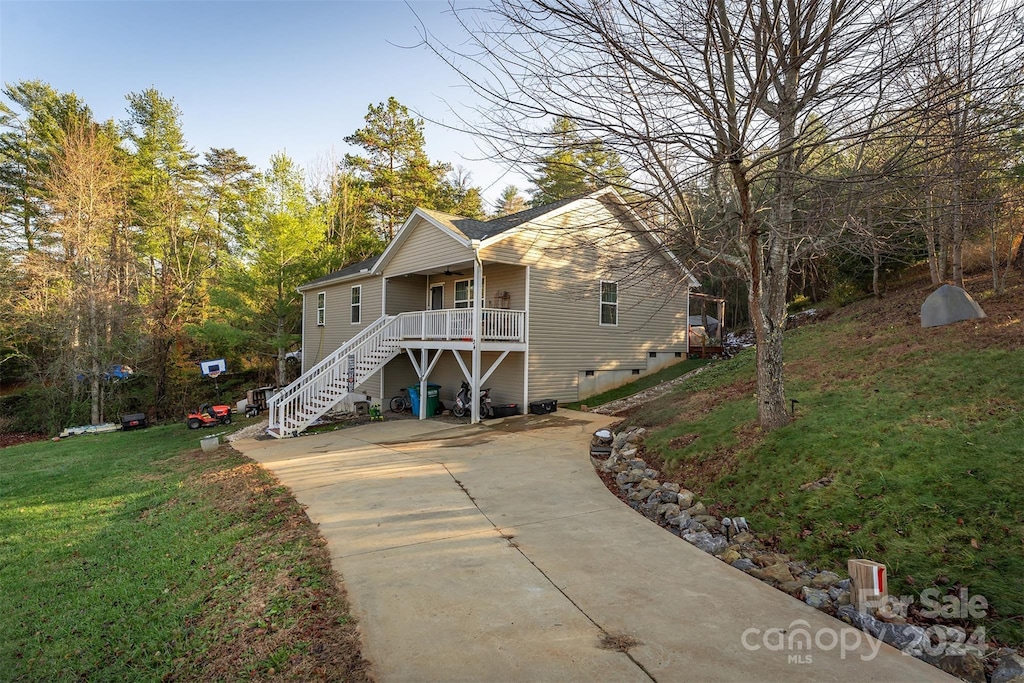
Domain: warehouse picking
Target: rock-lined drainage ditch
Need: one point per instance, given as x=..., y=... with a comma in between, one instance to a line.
x=731, y=540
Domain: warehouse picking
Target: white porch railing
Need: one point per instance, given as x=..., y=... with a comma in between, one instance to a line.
x=454, y=324
x=321, y=387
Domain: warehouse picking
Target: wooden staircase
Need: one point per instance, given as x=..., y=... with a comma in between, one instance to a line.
x=324, y=385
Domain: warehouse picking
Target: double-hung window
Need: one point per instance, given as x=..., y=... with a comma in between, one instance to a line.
x=609, y=303
x=357, y=296
x=464, y=293
x=321, y=308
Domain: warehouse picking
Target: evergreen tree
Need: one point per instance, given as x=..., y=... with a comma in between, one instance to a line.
x=166, y=206
x=574, y=165
x=278, y=252
x=227, y=182
x=32, y=127
x=509, y=202
x=395, y=166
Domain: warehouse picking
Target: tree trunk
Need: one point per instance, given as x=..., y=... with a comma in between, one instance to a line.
x=933, y=265
x=958, y=233
x=994, y=257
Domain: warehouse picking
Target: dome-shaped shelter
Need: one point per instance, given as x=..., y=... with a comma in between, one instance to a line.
x=949, y=304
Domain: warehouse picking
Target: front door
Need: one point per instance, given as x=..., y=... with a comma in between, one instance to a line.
x=436, y=297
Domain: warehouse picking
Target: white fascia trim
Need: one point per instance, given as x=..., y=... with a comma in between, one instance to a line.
x=329, y=283
x=404, y=231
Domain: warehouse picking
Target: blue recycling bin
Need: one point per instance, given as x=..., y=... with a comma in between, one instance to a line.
x=433, y=397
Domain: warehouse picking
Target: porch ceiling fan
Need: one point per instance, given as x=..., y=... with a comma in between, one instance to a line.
x=448, y=272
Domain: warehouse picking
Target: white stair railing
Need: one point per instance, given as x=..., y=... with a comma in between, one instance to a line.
x=321, y=387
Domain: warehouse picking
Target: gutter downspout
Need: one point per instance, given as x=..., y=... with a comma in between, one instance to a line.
x=477, y=330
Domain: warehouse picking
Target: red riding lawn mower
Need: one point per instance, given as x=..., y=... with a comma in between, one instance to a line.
x=209, y=416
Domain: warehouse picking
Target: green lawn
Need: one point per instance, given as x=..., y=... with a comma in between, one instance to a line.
x=135, y=556
x=922, y=432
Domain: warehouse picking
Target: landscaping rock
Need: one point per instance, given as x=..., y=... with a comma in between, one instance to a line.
x=706, y=541
x=628, y=453
x=681, y=520
x=709, y=521
x=911, y=639
x=685, y=499
x=966, y=666
x=649, y=484
x=777, y=573
x=767, y=559
x=815, y=597
x=744, y=565
x=696, y=510
x=670, y=486
x=668, y=510
x=638, y=495
x=1009, y=668
x=729, y=556
x=743, y=537
x=668, y=496
x=825, y=579
x=629, y=477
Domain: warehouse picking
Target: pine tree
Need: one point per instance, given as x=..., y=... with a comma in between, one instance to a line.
x=574, y=165
x=394, y=164
x=509, y=202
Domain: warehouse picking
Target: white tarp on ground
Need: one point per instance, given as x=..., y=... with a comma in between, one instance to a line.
x=949, y=304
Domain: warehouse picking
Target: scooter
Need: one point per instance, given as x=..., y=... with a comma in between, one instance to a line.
x=463, y=405
x=209, y=416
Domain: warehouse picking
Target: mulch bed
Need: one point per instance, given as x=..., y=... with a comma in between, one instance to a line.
x=17, y=438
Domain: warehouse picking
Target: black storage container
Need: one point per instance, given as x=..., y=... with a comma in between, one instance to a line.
x=543, y=406
x=506, y=410
x=134, y=421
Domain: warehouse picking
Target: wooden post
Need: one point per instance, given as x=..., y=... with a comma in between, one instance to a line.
x=869, y=584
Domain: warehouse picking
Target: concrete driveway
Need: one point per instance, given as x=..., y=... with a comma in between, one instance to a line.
x=494, y=553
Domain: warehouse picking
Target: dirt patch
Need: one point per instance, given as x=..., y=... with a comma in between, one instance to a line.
x=681, y=442
x=699, y=472
x=617, y=643
x=18, y=438
x=292, y=621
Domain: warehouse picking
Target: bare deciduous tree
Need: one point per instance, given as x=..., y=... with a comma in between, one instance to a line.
x=727, y=114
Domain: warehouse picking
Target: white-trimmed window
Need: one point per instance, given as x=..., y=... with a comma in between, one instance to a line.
x=321, y=308
x=609, y=303
x=464, y=293
x=357, y=305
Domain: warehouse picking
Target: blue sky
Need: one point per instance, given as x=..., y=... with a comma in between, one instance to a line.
x=257, y=76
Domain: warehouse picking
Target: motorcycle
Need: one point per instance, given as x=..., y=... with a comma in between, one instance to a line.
x=209, y=416
x=463, y=405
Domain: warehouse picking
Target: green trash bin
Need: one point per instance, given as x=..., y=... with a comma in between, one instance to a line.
x=433, y=398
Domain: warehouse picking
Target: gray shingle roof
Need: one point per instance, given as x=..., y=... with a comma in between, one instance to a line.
x=481, y=230
x=366, y=264
x=470, y=228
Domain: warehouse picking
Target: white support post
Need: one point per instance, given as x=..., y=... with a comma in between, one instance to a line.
x=462, y=364
x=383, y=296
x=423, y=384
x=477, y=330
x=412, y=359
x=526, y=339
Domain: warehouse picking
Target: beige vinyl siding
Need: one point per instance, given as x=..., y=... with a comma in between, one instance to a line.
x=427, y=247
x=319, y=341
x=406, y=293
x=498, y=277
x=569, y=257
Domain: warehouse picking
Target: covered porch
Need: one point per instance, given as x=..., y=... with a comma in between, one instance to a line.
x=467, y=316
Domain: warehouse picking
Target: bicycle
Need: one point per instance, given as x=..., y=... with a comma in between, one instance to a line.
x=400, y=404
